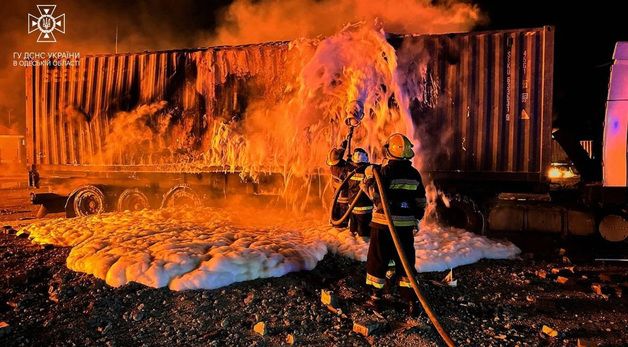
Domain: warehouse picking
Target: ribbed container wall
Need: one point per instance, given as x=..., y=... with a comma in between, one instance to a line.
x=483, y=106
x=70, y=109
x=486, y=101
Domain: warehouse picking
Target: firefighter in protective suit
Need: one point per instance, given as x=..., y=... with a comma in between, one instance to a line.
x=361, y=214
x=339, y=169
x=406, y=199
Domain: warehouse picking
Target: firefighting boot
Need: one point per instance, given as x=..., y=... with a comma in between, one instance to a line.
x=407, y=294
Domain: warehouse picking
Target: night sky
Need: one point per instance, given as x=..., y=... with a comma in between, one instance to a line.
x=586, y=33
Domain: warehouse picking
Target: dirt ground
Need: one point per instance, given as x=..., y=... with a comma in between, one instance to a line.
x=495, y=302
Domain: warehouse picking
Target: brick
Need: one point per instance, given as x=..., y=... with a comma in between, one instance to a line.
x=597, y=288
x=260, y=328
x=366, y=328
x=290, y=339
x=561, y=279
x=328, y=298
x=549, y=331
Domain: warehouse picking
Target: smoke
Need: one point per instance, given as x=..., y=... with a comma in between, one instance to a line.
x=290, y=121
x=91, y=28
x=248, y=21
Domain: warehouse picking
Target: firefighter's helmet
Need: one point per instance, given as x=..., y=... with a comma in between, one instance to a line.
x=398, y=147
x=359, y=156
x=334, y=156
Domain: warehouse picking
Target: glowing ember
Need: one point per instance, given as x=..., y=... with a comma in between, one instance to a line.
x=211, y=248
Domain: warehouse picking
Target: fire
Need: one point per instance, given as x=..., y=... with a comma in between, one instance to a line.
x=287, y=127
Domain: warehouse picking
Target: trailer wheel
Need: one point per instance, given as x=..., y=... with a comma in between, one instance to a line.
x=133, y=199
x=87, y=200
x=180, y=196
x=614, y=228
x=461, y=212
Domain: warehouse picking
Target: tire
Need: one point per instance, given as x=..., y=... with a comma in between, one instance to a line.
x=180, y=196
x=461, y=212
x=133, y=199
x=614, y=228
x=86, y=200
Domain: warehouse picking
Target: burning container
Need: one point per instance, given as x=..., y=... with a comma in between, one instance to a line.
x=12, y=150
x=482, y=110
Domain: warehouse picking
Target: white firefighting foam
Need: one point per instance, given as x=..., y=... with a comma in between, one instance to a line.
x=211, y=248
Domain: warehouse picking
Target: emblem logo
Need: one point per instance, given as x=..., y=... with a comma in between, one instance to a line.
x=46, y=23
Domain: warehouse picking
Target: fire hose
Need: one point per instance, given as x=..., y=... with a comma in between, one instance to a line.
x=402, y=256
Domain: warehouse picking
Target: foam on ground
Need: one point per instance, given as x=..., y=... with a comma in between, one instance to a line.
x=211, y=248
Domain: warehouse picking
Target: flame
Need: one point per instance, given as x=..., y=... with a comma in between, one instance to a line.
x=288, y=131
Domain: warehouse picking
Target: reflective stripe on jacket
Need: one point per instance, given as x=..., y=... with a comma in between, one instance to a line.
x=362, y=209
x=398, y=221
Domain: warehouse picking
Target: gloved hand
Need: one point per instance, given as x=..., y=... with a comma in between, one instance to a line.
x=344, y=144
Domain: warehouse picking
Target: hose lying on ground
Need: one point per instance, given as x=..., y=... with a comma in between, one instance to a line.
x=406, y=266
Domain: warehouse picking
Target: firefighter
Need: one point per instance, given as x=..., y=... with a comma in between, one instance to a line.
x=362, y=211
x=406, y=201
x=339, y=169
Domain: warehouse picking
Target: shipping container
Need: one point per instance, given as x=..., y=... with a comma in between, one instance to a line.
x=486, y=112
x=483, y=110
x=11, y=150
x=486, y=106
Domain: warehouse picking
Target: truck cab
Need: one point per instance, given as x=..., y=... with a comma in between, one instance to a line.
x=615, y=160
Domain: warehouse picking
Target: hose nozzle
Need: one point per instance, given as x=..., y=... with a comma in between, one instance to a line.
x=355, y=114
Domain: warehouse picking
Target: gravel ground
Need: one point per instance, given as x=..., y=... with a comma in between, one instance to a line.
x=495, y=303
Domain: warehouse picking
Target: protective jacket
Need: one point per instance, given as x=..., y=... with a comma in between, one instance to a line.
x=364, y=204
x=405, y=193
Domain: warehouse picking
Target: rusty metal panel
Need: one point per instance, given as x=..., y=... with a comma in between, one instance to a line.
x=492, y=109
x=485, y=105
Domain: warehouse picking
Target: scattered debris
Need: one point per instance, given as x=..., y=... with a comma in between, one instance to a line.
x=366, y=328
x=549, y=331
x=105, y=329
x=5, y=328
x=597, y=288
x=566, y=260
x=619, y=291
x=541, y=274
x=331, y=301
x=328, y=298
x=249, y=298
x=449, y=279
x=260, y=328
x=290, y=339
x=52, y=294
x=138, y=313
x=530, y=298
x=218, y=317
x=586, y=343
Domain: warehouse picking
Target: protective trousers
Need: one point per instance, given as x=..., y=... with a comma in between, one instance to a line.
x=382, y=250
